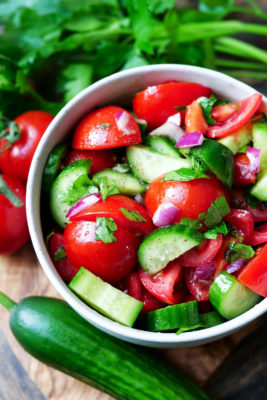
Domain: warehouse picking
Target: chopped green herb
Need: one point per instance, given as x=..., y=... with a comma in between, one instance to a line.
x=7, y=192
x=105, y=188
x=48, y=237
x=104, y=229
x=235, y=251
x=184, y=174
x=123, y=168
x=213, y=233
x=132, y=215
x=60, y=254
x=191, y=223
x=80, y=188
x=104, y=126
x=189, y=328
x=218, y=209
x=206, y=105
x=244, y=149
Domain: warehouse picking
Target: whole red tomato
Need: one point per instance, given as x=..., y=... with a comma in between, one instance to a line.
x=16, y=160
x=13, y=223
x=191, y=197
x=101, y=159
x=111, y=261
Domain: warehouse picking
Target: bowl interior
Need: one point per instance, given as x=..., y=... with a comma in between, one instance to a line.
x=119, y=89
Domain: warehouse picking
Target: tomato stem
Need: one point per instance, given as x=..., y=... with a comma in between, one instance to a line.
x=11, y=134
x=6, y=301
x=7, y=192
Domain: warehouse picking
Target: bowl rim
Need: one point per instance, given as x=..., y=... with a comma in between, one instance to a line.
x=156, y=339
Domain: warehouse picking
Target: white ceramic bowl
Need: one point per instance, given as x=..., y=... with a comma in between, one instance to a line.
x=117, y=89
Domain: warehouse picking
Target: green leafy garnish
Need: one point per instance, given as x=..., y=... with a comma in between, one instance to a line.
x=206, y=105
x=184, y=174
x=80, y=188
x=213, y=233
x=191, y=223
x=7, y=192
x=104, y=126
x=189, y=328
x=235, y=251
x=218, y=209
x=132, y=215
x=106, y=189
x=60, y=254
x=48, y=237
x=11, y=133
x=104, y=229
x=244, y=149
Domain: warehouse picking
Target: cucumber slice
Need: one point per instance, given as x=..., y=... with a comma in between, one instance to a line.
x=218, y=158
x=125, y=182
x=61, y=185
x=230, y=297
x=238, y=139
x=259, y=190
x=52, y=166
x=259, y=135
x=172, y=317
x=105, y=298
x=162, y=145
x=166, y=244
x=147, y=164
x=209, y=319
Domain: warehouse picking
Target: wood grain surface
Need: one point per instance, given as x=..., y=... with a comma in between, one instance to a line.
x=22, y=276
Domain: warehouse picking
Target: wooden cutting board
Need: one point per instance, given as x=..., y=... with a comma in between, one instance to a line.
x=22, y=276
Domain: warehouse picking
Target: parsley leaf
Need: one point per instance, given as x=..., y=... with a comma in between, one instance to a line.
x=104, y=229
x=106, y=188
x=213, y=233
x=191, y=223
x=132, y=215
x=184, y=174
x=218, y=209
x=60, y=254
x=243, y=149
x=80, y=188
x=206, y=105
x=236, y=251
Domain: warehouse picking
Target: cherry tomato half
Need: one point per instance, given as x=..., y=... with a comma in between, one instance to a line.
x=106, y=128
x=199, y=289
x=242, y=222
x=191, y=197
x=243, y=176
x=101, y=159
x=17, y=160
x=156, y=103
x=259, y=236
x=13, y=223
x=111, y=261
x=259, y=214
x=201, y=254
x=223, y=112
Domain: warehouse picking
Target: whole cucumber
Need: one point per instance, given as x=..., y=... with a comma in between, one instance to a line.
x=55, y=334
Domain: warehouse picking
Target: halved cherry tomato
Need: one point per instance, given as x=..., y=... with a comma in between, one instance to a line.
x=111, y=261
x=247, y=108
x=194, y=119
x=165, y=285
x=191, y=197
x=201, y=254
x=156, y=103
x=254, y=274
x=259, y=214
x=220, y=260
x=106, y=128
x=64, y=267
x=243, y=176
x=199, y=289
x=111, y=208
x=13, y=223
x=259, y=236
x=223, y=112
x=16, y=161
x=101, y=159
x=242, y=222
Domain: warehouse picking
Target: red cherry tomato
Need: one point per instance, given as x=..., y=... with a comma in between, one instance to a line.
x=242, y=222
x=101, y=159
x=17, y=160
x=65, y=269
x=259, y=214
x=112, y=261
x=243, y=176
x=106, y=128
x=254, y=274
x=111, y=208
x=156, y=103
x=13, y=223
x=194, y=119
x=201, y=254
x=259, y=236
x=191, y=197
x=199, y=289
x=165, y=285
x=247, y=108
x=223, y=112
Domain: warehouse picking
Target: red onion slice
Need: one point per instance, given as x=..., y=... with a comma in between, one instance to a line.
x=123, y=119
x=82, y=204
x=171, y=128
x=254, y=158
x=235, y=266
x=190, y=140
x=205, y=272
x=165, y=214
x=175, y=118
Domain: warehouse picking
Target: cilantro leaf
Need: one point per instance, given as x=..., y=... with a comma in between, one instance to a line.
x=191, y=223
x=206, y=105
x=218, y=209
x=184, y=174
x=80, y=188
x=104, y=229
x=243, y=149
x=213, y=233
x=74, y=78
x=132, y=215
x=106, y=188
x=236, y=251
x=60, y=254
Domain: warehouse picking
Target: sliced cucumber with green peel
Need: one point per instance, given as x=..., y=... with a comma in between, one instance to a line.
x=218, y=158
x=166, y=244
x=162, y=145
x=172, y=317
x=230, y=297
x=52, y=167
x=125, y=182
x=259, y=135
x=105, y=298
x=147, y=164
x=238, y=139
x=209, y=319
x=64, y=182
x=259, y=189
